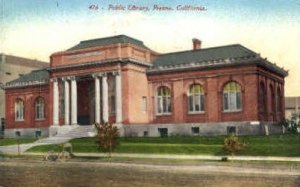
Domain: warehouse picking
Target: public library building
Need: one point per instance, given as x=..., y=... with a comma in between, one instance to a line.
x=207, y=91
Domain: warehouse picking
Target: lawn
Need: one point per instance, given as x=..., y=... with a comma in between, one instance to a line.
x=274, y=145
x=13, y=141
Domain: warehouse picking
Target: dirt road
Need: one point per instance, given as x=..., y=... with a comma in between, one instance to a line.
x=92, y=173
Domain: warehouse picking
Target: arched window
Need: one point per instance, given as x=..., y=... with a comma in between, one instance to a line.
x=232, y=97
x=278, y=100
x=163, y=100
x=196, y=98
x=19, y=110
x=39, y=108
x=262, y=97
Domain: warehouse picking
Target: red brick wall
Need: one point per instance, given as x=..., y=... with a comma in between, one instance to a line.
x=134, y=87
x=213, y=82
x=28, y=95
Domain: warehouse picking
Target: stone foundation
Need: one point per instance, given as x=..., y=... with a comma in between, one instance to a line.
x=201, y=129
x=26, y=132
x=156, y=130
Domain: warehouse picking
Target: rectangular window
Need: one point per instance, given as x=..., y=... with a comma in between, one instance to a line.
x=163, y=132
x=18, y=133
x=231, y=130
x=146, y=133
x=195, y=130
x=144, y=104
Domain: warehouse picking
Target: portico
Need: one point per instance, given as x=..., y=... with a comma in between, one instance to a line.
x=107, y=98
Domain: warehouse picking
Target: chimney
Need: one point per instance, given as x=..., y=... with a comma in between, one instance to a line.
x=2, y=60
x=196, y=44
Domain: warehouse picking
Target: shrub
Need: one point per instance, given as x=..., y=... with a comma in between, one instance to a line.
x=232, y=145
x=107, y=137
x=291, y=124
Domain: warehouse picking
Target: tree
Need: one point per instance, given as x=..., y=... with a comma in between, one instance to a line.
x=107, y=137
x=232, y=144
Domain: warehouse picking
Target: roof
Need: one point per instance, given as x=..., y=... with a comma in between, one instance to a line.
x=201, y=55
x=10, y=59
x=211, y=57
x=35, y=77
x=108, y=41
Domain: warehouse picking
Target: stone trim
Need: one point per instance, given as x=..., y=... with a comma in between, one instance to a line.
x=98, y=63
x=215, y=64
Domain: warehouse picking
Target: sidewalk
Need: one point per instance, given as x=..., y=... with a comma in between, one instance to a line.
x=22, y=148
x=184, y=157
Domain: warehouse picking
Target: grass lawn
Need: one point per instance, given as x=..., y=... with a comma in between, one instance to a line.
x=12, y=141
x=274, y=145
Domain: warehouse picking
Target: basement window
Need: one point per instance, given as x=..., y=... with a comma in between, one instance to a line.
x=18, y=133
x=231, y=130
x=195, y=130
x=38, y=134
x=146, y=133
x=163, y=132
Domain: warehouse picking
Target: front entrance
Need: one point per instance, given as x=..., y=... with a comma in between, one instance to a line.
x=85, y=101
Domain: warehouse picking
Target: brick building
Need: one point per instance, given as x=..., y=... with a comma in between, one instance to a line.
x=119, y=79
x=13, y=67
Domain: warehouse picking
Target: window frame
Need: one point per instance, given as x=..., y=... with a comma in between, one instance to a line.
x=162, y=100
x=19, y=110
x=201, y=100
x=39, y=108
x=230, y=98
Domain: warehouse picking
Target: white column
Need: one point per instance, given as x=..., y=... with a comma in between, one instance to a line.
x=118, y=97
x=55, y=102
x=105, y=97
x=97, y=99
x=74, y=101
x=67, y=101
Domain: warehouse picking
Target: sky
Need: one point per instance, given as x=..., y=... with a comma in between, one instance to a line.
x=37, y=28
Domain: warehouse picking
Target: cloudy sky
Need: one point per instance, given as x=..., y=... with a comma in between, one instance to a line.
x=37, y=28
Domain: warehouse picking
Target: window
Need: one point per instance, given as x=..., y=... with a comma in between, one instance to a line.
x=163, y=132
x=8, y=73
x=144, y=104
x=231, y=130
x=38, y=134
x=195, y=130
x=39, y=108
x=146, y=133
x=196, y=98
x=232, y=97
x=262, y=97
x=19, y=110
x=18, y=133
x=163, y=100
